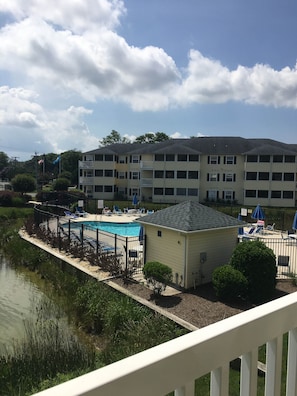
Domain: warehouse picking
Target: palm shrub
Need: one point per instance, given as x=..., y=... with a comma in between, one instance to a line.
x=229, y=283
x=257, y=263
x=157, y=275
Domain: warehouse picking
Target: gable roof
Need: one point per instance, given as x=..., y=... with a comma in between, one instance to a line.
x=190, y=216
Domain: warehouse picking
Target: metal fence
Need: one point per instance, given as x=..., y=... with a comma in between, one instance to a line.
x=285, y=251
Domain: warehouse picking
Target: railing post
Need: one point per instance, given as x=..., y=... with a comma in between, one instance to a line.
x=274, y=350
x=249, y=373
x=186, y=390
x=292, y=360
x=219, y=381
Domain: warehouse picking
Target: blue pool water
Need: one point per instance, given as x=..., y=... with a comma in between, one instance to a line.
x=123, y=229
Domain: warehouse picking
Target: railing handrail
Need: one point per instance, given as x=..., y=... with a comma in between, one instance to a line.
x=177, y=363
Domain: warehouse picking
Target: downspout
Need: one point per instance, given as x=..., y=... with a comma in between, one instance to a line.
x=185, y=259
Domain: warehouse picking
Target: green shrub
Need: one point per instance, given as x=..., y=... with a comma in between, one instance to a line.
x=157, y=275
x=229, y=283
x=257, y=263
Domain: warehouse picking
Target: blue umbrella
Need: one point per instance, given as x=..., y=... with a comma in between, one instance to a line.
x=135, y=200
x=240, y=229
x=294, y=226
x=258, y=213
x=140, y=237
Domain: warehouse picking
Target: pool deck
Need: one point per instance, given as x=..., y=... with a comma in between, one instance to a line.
x=113, y=218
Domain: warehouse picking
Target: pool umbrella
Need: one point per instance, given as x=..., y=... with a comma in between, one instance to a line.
x=134, y=200
x=140, y=237
x=240, y=229
x=258, y=213
x=294, y=226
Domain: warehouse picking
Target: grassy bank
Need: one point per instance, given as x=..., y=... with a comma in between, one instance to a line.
x=117, y=326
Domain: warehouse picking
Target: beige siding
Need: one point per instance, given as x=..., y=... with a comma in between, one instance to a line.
x=217, y=246
x=168, y=249
x=182, y=252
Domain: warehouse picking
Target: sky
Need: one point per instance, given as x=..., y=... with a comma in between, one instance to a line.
x=73, y=71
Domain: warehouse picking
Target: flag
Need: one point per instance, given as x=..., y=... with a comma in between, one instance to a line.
x=57, y=160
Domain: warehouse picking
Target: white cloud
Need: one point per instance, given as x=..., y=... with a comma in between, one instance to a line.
x=208, y=81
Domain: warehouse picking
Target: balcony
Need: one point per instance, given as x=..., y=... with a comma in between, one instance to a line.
x=146, y=182
x=86, y=164
x=146, y=165
x=86, y=181
x=174, y=365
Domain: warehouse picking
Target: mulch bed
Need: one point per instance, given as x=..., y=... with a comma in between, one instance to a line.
x=200, y=307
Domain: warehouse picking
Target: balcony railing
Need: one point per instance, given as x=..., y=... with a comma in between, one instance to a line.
x=174, y=365
x=146, y=165
x=86, y=164
x=146, y=182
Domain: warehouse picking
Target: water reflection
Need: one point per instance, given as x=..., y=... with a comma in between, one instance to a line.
x=17, y=294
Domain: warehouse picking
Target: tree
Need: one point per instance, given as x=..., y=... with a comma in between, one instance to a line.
x=152, y=137
x=113, y=137
x=23, y=183
x=257, y=263
x=158, y=275
x=61, y=184
x=4, y=160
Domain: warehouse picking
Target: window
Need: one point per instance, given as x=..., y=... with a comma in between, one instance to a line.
x=89, y=173
x=158, y=191
x=108, y=173
x=213, y=177
x=134, y=159
x=262, y=193
x=264, y=158
x=277, y=176
x=213, y=159
x=229, y=177
x=182, y=157
x=230, y=160
x=98, y=188
x=193, y=175
x=98, y=157
x=122, y=159
x=193, y=192
x=169, y=191
x=159, y=233
x=250, y=193
x=251, y=158
x=288, y=176
x=228, y=195
x=276, y=194
x=181, y=191
x=98, y=172
x=121, y=175
x=288, y=194
x=159, y=174
x=169, y=174
x=159, y=157
x=212, y=195
x=170, y=157
x=181, y=174
x=251, y=176
x=290, y=158
x=263, y=175
x=193, y=157
x=277, y=158
x=135, y=175
x=108, y=157
x=107, y=188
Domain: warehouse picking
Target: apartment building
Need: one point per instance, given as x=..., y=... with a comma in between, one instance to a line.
x=227, y=169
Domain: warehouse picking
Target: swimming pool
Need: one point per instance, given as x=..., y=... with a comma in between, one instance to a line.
x=123, y=229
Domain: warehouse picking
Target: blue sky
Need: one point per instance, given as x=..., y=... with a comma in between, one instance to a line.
x=70, y=72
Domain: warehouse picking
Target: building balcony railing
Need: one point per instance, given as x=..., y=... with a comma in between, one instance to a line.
x=146, y=165
x=86, y=164
x=146, y=182
x=175, y=365
x=86, y=181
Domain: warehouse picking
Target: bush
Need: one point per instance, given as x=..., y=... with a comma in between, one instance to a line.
x=158, y=275
x=257, y=263
x=229, y=283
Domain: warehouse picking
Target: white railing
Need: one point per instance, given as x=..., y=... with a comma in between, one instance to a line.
x=174, y=365
x=86, y=164
x=146, y=165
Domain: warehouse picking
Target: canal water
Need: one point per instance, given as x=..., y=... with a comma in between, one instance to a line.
x=18, y=296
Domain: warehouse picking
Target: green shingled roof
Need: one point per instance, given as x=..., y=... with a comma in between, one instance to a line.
x=190, y=216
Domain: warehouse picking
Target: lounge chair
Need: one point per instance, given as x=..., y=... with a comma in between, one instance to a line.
x=270, y=227
x=70, y=214
x=117, y=210
x=80, y=212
